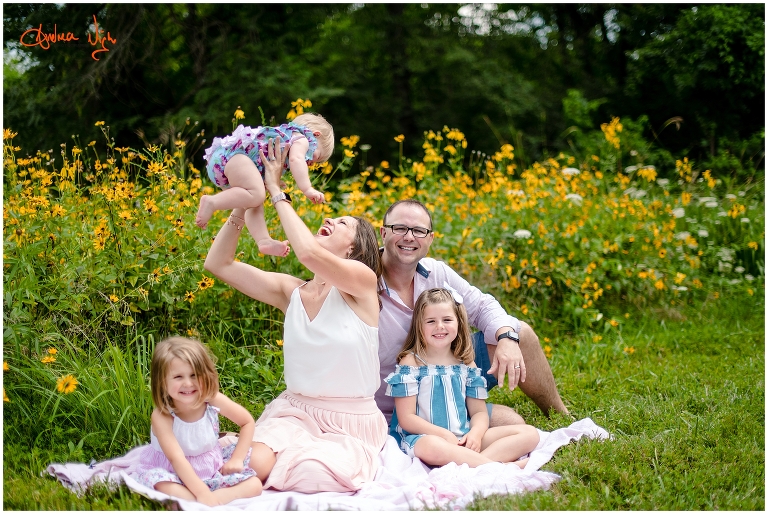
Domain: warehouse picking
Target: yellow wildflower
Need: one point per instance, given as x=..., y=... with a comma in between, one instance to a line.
x=279, y=342
x=66, y=384
x=99, y=124
x=659, y=285
x=113, y=298
x=629, y=350
x=385, y=165
x=753, y=245
x=205, y=283
x=614, y=323
x=189, y=297
x=8, y=134
x=350, y=141
x=5, y=366
x=400, y=138
x=5, y=397
x=48, y=359
x=548, y=351
x=239, y=114
x=348, y=153
x=52, y=351
x=524, y=309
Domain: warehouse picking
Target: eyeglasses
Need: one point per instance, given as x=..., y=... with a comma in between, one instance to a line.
x=401, y=230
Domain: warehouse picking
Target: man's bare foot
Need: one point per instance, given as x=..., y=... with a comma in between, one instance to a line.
x=270, y=246
x=204, y=212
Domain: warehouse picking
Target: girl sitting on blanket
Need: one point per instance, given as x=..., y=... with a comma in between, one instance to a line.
x=184, y=458
x=440, y=414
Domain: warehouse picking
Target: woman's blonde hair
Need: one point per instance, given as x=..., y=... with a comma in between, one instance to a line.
x=193, y=353
x=461, y=347
x=325, y=140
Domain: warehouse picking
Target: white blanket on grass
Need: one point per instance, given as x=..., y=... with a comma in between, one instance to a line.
x=401, y=483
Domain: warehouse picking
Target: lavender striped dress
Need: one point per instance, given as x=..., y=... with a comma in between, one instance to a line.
x=200, y=442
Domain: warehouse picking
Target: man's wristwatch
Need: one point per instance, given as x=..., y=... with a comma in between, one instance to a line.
x=280, y=197
x=510, y=335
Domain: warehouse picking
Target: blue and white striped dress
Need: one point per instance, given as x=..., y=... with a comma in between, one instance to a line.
x=441, y=393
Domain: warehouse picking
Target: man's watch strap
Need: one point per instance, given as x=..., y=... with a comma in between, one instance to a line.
x=280, y=197
x=510, y=335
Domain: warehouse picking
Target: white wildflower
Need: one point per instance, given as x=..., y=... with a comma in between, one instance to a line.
x=739, y=269
x=722, y=214
x=663, y=182
x=682, y=235
x=745, y=220
x=726, y=254
x=575, y=198
x=742, y=193
x=570, y=171
x=749, y=277
x=678, y=213
x=522, y=234
x=703, y=233
x=707, y=199
x=734, y=281
x=730, y=196
x=630, y=169
x=711, y=205
x=515, y=192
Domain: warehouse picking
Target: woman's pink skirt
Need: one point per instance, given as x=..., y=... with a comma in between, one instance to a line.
x=322, y=444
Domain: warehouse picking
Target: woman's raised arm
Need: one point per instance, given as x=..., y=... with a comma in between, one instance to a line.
x=271, y=288
x=351, y=276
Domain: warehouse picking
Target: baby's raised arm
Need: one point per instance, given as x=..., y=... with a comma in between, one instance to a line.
x=300, y=171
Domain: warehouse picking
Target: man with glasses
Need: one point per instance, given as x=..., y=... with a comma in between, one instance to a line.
x=504, y=346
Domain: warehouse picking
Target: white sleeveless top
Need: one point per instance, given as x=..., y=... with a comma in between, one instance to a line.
x=335, y=355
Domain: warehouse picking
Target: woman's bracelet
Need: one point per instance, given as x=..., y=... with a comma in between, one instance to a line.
x=231, y=222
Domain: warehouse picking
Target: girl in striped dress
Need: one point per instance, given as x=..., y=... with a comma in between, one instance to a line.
x=440, y=414
x=184, y=458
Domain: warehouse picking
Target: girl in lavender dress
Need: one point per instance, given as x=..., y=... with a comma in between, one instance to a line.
x=235, y=165
x=184, y=458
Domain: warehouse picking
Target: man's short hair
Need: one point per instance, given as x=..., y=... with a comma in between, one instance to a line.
x=409, y=201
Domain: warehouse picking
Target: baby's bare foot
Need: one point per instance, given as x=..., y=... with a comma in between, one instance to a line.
x=273, y=247
x=204, y=212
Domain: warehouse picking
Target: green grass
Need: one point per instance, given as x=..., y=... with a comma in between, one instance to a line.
x=686, y=409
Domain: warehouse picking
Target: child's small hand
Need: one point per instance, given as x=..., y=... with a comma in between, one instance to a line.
x=208, y=498
x=472, y=440
x=232, y=466
x=314, y=195
x=450, y=437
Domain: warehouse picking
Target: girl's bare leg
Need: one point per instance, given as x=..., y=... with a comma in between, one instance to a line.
x=248, y=489
x=246, y=190
x=174, y=489
x=509, y=443
x=257, y=226
x=262, y=460
x=436, y=451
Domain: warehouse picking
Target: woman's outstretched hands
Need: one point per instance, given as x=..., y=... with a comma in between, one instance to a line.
x=273, y=163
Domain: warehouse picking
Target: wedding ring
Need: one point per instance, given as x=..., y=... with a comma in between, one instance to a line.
x=517, y=367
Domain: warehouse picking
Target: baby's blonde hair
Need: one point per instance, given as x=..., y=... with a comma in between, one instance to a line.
x=315, y=122
x=193, y=353
x=461, y=347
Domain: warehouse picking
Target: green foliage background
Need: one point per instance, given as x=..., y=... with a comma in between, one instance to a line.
x=499, y=72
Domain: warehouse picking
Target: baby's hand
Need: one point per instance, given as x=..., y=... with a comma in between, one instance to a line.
x=232, y=466
x=314, y=195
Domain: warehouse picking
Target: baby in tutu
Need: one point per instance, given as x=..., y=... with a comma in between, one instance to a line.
x=235, y=165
